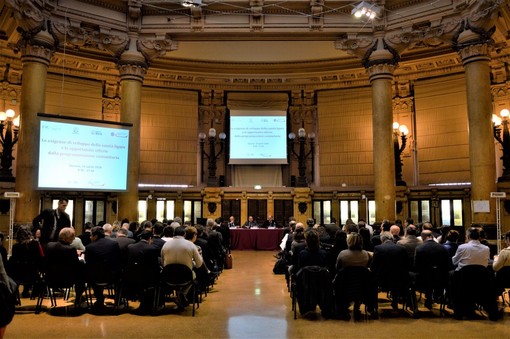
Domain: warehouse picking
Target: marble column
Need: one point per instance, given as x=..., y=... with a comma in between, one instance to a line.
x=381, y=77
x=36, y=57
x=132, y=67
x=475, y=58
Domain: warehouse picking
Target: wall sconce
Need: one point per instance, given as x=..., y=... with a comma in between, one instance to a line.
x=399, y=132
x=367, y=10
x=498, y=123
x=212, y=156
x=9, y=128
x=302, y=156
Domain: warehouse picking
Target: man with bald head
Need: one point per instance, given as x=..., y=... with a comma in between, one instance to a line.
x=395, y=232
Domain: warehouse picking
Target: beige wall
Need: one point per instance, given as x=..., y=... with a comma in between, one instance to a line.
x=442, y=136
x=74, y=97
x=345, y=137
x=168, y=145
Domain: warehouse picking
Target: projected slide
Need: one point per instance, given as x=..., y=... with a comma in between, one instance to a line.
x=258, y=137
x=82, y=156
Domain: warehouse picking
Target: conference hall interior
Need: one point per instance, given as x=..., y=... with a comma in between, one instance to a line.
x=336, y=110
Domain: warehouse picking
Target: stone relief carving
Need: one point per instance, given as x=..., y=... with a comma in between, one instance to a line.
x=153, y=48
x=28, y=15
x=90, y=37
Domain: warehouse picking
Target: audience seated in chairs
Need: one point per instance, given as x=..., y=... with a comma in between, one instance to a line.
x=410, y=242
x=501, y=266
x=26, y=262
x=184, y=252
x=63, y=267
x=215, y=242
x=451, y=244
x=141, y=274
x=472, y=284
x=313, y=281
x=432, y=265
x=103, y=265
x=353, y=281
x=390, y=266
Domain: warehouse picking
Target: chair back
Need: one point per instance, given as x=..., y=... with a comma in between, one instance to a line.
x=57, y=276
x=136, y=273
x=100, y=273
x=177, y=275
x=354, y=282
x=502, y=279
x=314, y=287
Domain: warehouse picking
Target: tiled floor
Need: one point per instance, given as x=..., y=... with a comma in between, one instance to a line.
x=249, y=301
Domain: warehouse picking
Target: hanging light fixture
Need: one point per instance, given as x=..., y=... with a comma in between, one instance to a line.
x=191, y=3
x=366, y=10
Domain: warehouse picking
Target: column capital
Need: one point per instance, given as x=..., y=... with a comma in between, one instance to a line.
x=39, y=48
x=478, y=52
x=381, y=71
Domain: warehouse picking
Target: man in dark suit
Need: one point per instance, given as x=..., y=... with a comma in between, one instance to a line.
x=432, y=264
x=50, y=222
x=103, y=263
x=63, y=266
x=142, y=259
x=123, y=241
x=157, y=232
x=390, y=266
x=270, y=222
x=410, y=241
x=85, y=236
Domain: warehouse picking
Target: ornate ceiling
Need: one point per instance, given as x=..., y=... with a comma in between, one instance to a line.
x=252, y=44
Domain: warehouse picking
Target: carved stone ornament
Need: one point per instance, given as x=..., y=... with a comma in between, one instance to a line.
x=79, y=37
x=28, y=15
x=474, y=53
x=211, y=207
x=302, y=207
x=483, y=13
x=36, y=53
x=381, y=71
x=356, y=45
x=153, y=48
x=132, y=72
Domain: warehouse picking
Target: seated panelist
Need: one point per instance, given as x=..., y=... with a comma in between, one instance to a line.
x=270, y=222
x=250, y=223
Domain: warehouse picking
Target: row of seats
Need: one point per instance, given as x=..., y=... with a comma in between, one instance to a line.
x=467, y=290
x=136, y=282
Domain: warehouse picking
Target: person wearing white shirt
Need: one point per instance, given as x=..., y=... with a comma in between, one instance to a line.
x=472, y=252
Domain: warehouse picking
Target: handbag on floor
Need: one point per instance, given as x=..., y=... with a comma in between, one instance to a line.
x=228, y=261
